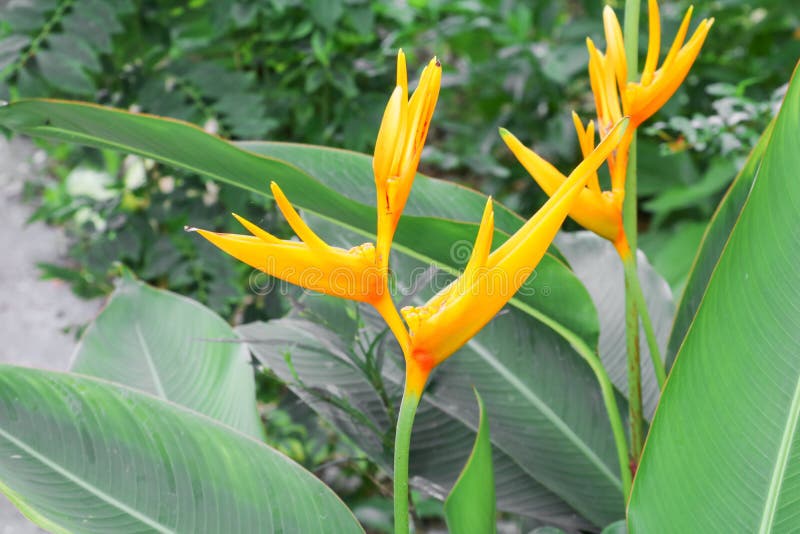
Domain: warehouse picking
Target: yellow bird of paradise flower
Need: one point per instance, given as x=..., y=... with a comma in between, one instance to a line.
x=615, y=96
x=441, y=326
x=450, y=318
x=360, y=273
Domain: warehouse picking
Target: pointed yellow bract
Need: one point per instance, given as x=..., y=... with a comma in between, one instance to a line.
x=451, y=317
x=399, y=146
x=595, y=210
x=360, y=273
x=640, y=100
x=657, y=86
x=615, y=96
x=309, y=263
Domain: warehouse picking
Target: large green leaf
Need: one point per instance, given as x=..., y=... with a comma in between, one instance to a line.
x=174, y=348
x=326, y=374
x=79, y=454
x=597, y=264
x=543, y=400
x=470, y=507
x=723, y=454
x=335, y=184
x=713, y=244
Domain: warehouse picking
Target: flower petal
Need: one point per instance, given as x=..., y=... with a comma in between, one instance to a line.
x=300, y=227
x=256, y=231
x=654, y=42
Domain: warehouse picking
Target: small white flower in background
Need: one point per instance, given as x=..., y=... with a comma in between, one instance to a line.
x=91, y=183
x=211, y=126
x=166, y=185
x=212, y=193
x=135, y=172
x=39, y=158
x=86, y=215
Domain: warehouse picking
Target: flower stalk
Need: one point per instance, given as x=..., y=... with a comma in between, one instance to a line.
x=402, y=445
x=635, y=288
x=630, y=226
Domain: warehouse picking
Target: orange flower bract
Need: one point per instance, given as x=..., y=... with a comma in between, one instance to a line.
x=399, y=146
x=310, y=263
x=360, y=273
x=616, y=97
x=454, y=315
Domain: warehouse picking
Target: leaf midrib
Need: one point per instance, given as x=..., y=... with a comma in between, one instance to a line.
x=94, y=490
x=781, y=462
x=554, y=418
x=151, y=365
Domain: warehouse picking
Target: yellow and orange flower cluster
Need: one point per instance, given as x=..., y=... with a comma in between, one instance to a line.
x=454, y=315
x=615, y=97
x=359, y=273
x=434, y=331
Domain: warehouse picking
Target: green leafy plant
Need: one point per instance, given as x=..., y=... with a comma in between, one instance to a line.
x=546, y=439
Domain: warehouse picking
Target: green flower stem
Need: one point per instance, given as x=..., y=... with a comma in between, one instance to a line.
x=402, y=443
x=630, y=34
x=629, y=221
x=632, y=276
x=635, y=414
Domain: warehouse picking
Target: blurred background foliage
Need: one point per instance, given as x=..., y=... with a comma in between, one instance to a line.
x=320, y=71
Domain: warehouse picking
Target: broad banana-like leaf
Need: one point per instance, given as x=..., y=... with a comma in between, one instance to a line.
x=174, y=348
x=713, y=244
x=723, y=454
x=83, y=455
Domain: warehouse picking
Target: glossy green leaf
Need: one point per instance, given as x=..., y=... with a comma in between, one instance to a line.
x=174, y=348
x=326, y=373
x=713, y=244
x=335, y=184
x=554, y=453
x=470, y=507
x=83, y=455
x=723, y=454
x=542, y=398
x=597, y=264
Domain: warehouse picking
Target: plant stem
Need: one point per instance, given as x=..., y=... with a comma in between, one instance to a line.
x=635, y=415
x=629, y=221
x=632, y=276
x=402, y=443
x=617, y=428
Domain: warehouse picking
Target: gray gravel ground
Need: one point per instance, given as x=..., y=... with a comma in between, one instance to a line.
x=33, y=313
